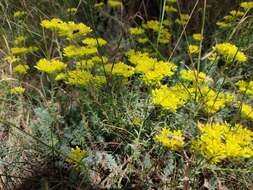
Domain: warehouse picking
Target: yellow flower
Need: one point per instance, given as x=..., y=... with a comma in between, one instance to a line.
x=50, y=66
x=142, y=40
x=197, y=37
x=151, y=69
x=23, y=50
x=172, y=140
x=236, y=13
x=76, y=155
x=171, y=1
x=21, y=69
x=219, y=141
x=72, y=10
x=247, y=111
x=136, y=31
x=230, y=52
x=19, y=13
x=209, y=100
x=170, y=98
x=194, y=76
x=120, y=69
x=183, y=19
x=167, y=22
x=245, y=87
x=246, y=5
x=78, y=78
x=152, y=25
x=17, y=90
x=193, y=49
x=170, y=9
x=99, y=5
x=70, y=30
x=223, y=24
x=19, y=40
x=93, y=42
x=165, y=37
x=99, y=80
x=78, y=51
x=51, y=24
x=60, y=76
x=114, y=3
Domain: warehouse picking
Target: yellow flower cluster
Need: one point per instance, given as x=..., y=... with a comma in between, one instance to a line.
x=136, y=31
x=93, y=42
x=19, y=13
x=170, y=98
x=183, y=19
x=120, y=69
x=218, y=142
x=170, y=9
x=21, y=69
x=114, y=3
x=245, y=87
x=70, y=30
x=78, y=51
x=17, y=90
x=171, y=1
x=247, y=111
x=78, y=78
x=194, y=76
x=89, y=63
x=19, y=40
x=99, y=5
x=151, y=69
x=246, y=5
x=230, y=52
x=155, y=26
x=81, y=78
x=76, y=155
x=50, y=66
x=229, y=20
x=210, y=100
x=23, y=50
x=72, y=10
x=172, y=140
x=193, y=49
x=152, y=25
x=197, y=37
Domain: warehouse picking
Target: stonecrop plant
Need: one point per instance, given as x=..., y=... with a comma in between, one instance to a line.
x=111, y=95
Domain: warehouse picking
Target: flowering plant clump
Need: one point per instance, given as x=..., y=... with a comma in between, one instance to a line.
x=245, y=87
x=172, y=140
x=78, y=51
x=219, y=141
x=78, y=78
x=193, y=49
x=23, y=50
x=230, y=52
x=247, y=111
x=194, y=76
x=120, y=69
x=76, y=155
x=21, y=69
x=70, y=30
x=170, y=98
x=50, y=66
x=17, y=90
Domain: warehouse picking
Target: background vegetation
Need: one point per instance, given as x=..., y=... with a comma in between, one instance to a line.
x=159, y=96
